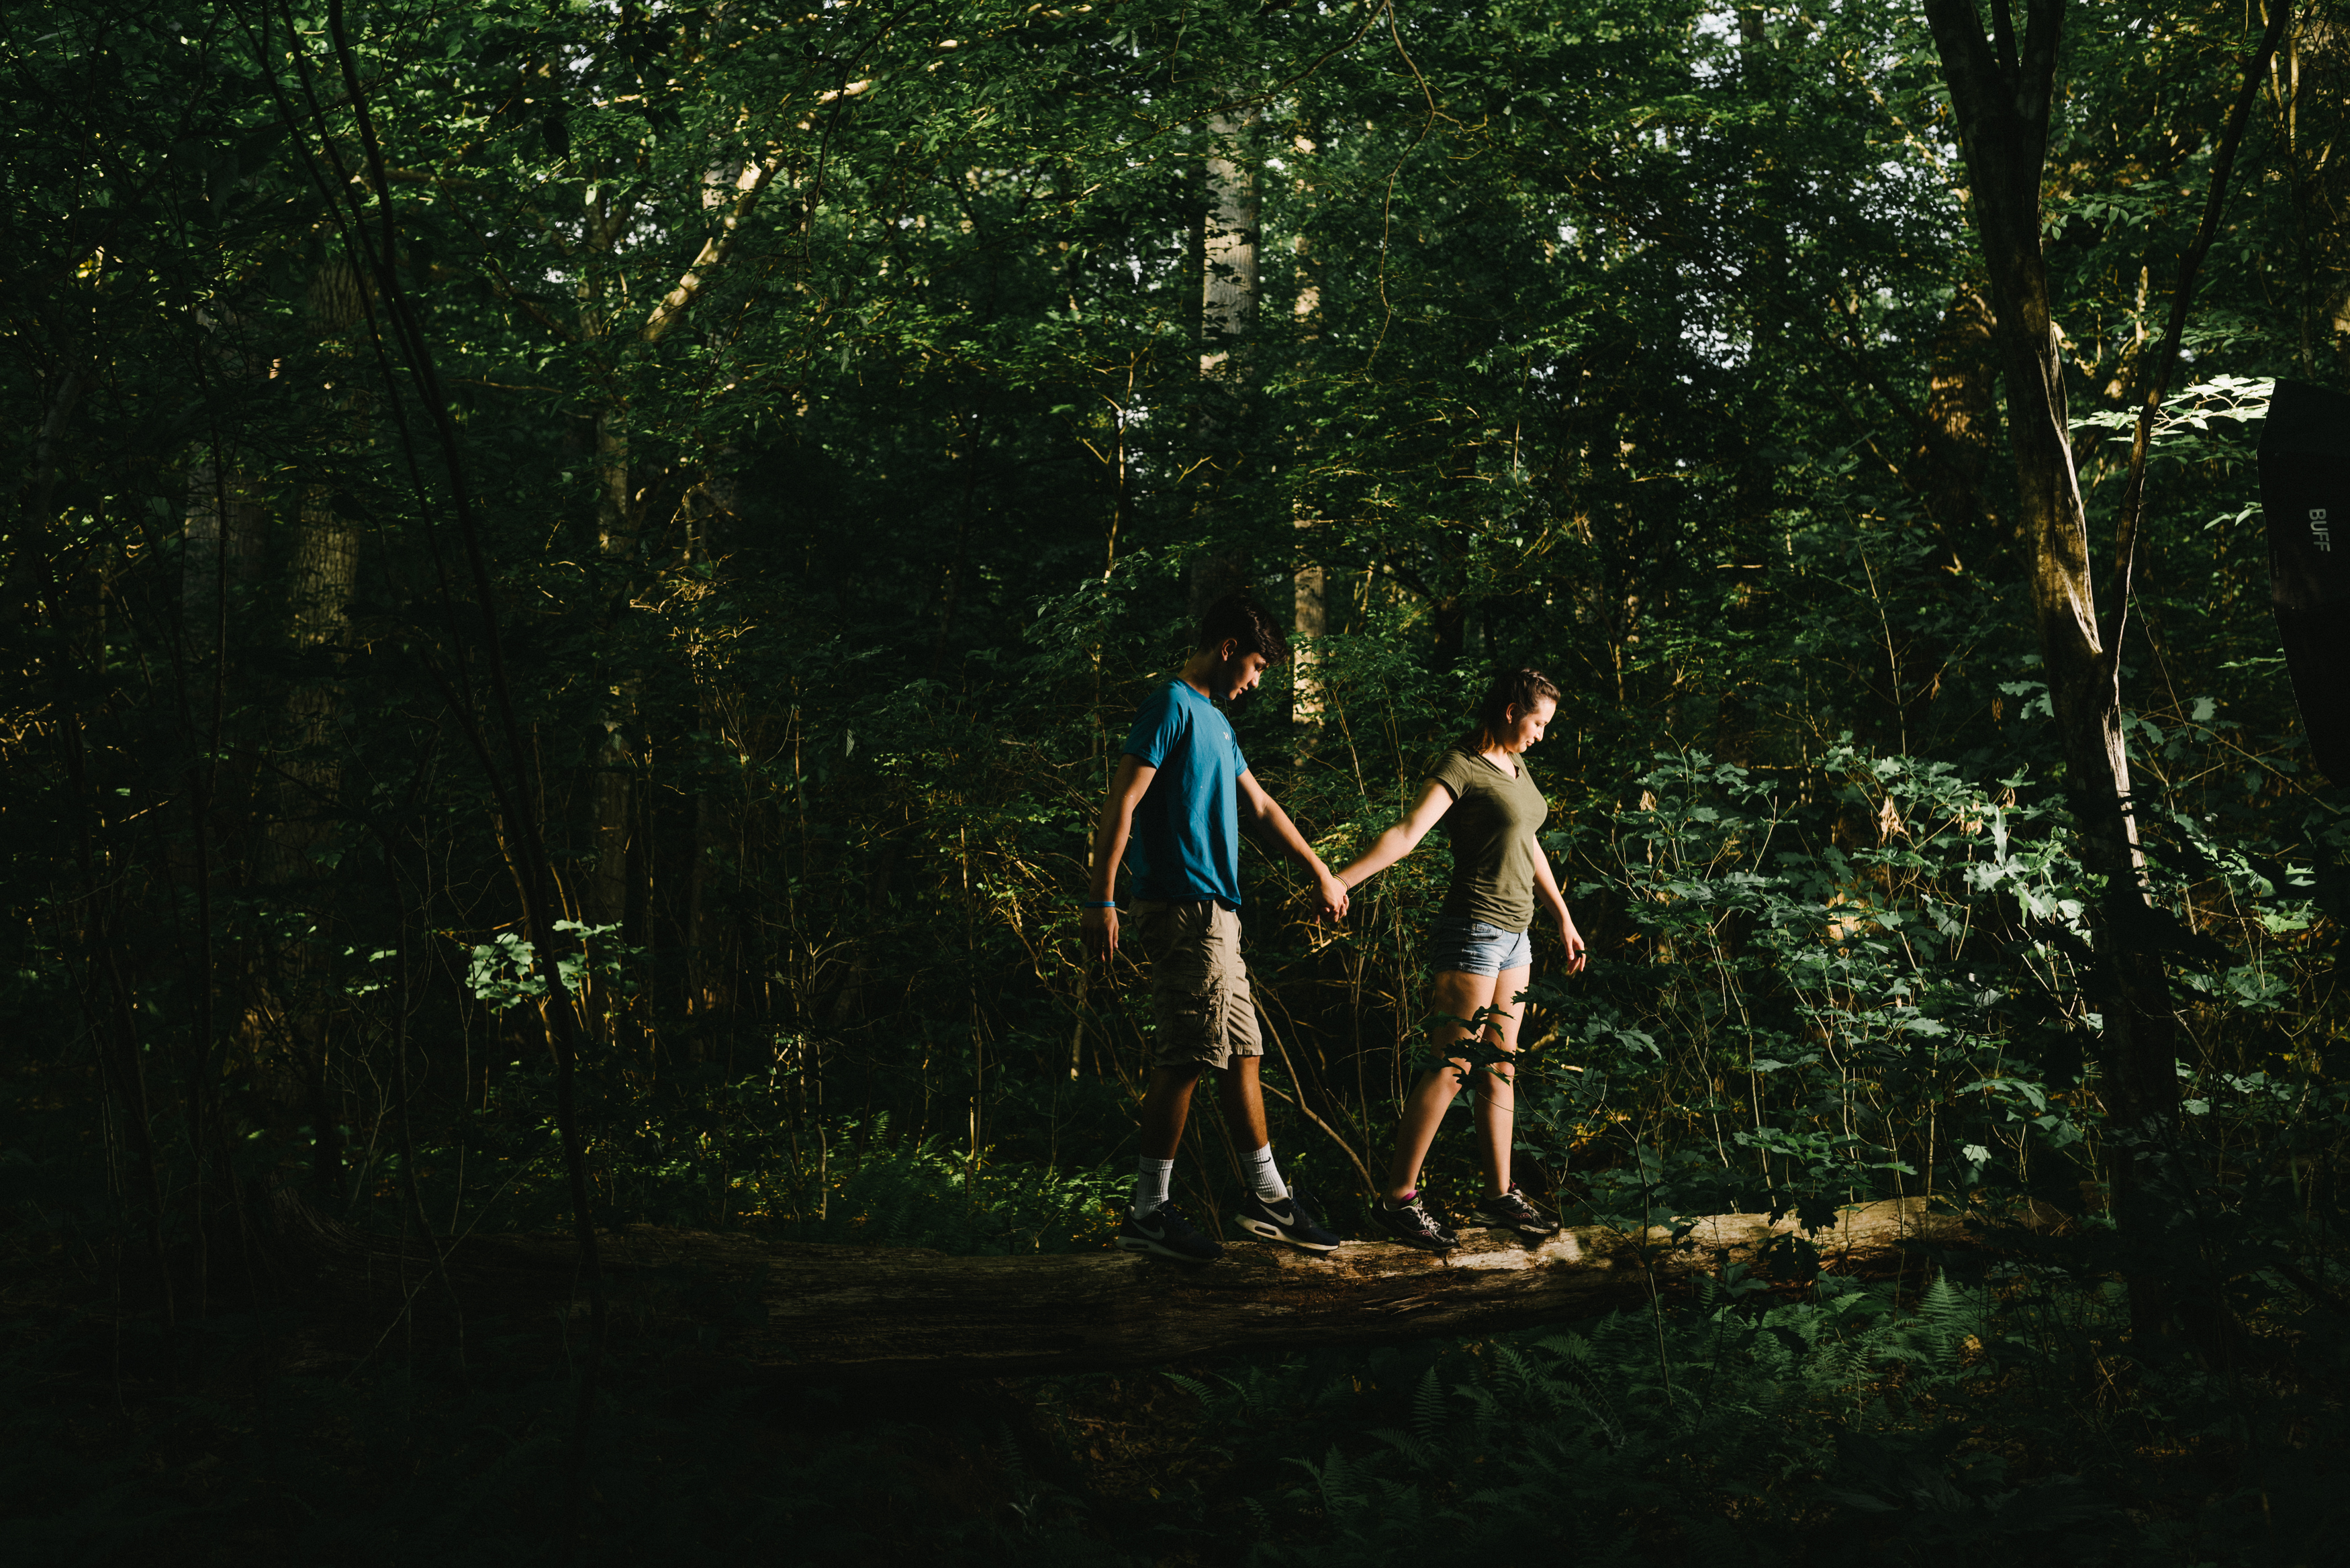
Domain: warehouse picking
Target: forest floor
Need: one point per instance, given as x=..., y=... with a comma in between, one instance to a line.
x=1844, y=1427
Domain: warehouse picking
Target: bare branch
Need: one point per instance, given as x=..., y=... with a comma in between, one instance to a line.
x=748, y=185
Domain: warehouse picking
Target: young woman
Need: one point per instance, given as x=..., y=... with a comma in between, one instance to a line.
x=1480, y=947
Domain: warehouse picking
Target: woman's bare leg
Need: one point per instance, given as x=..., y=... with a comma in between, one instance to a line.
x=1495, y=1087
x=1455, y=994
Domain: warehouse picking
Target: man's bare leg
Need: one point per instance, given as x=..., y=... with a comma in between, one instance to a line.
x=1242, y=1099
x=1166, y=1106
x=1154, y=1224
x=1270, y=1209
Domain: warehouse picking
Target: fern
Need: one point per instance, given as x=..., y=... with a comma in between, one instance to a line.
x=1428, y=1409
x=1514, y=1367
x=1192, y=1385
x=1486, y=1449
x=1419, y=1454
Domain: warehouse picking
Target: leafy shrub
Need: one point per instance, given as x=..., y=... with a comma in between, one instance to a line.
x=1848, y=1428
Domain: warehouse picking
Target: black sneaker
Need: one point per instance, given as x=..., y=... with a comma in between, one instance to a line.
x=1291, y=1221
x=1165, y=1231
x=1511, y=1211
x=1414, y=1226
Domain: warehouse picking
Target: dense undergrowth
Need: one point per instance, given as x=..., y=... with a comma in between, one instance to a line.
x=1794, y=1015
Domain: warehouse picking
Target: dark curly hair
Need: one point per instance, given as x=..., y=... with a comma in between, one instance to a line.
x=1520, y=689
x=1235, y=618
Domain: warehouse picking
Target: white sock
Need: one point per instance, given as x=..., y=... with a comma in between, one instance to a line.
x=1264, y=1177
x=1151, y=1179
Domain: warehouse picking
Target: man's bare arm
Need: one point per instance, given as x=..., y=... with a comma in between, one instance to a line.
x=1261, y=807
x=1117, y=823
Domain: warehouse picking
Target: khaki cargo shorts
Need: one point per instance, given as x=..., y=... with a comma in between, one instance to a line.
x=1199, y=987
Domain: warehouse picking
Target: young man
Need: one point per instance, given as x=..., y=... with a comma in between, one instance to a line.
x=1177, y=805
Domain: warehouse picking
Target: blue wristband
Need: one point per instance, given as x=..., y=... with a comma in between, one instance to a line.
x=1103, y=904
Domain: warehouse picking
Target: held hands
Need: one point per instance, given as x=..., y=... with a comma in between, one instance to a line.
x=1330, y=894
x=1100, y=929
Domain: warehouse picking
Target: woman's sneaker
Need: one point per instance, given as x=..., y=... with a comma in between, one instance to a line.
x=1288, y=1221
x=1511, y=1211
x=1413, y=1225
x=1165, y=1231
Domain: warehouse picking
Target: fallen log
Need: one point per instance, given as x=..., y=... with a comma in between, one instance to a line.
x=890, y=1309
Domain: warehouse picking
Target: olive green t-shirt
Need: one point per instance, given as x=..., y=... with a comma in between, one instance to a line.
x=1491, y=824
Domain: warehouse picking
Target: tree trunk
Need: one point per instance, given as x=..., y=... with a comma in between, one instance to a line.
x=289, y=1007
x=1228, y=302
x=2002, y=96
x=714, y=957
x=289, y=1020
x=1310, y=621
x=325, y=575
x=205, y=557
x=1311, y=582
x=613, y=777
x=617, y=888
x=1954, y=449
x=894, y=1309
x=1228, y=280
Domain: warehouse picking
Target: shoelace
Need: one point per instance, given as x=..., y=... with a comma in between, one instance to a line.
x=1424, y=1222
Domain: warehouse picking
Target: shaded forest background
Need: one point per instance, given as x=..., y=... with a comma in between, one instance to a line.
x=575, y=574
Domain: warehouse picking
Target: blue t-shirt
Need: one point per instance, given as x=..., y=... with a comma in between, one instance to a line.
x=1186, y=844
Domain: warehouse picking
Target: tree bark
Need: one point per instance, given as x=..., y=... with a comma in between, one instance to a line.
x=1228, y=273
x=716, y=962
x=287, y=1006
x=1310, y=622
x=287, y=1021
x=217, y=501
x=1228, y=304
x=1310, y=582
x=1953, y=453
x=325, y=575
x=878, y=1309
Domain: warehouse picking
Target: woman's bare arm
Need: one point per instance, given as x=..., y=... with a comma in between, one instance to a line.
x=1547, y=886
x=1401, y=840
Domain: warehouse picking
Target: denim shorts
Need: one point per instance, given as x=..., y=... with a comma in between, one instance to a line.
x=1463, y=946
